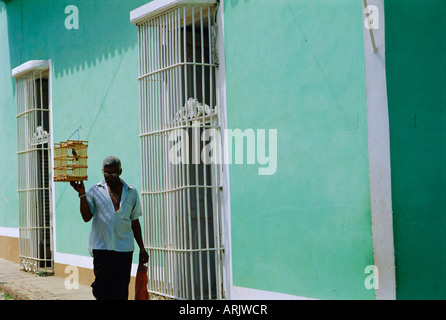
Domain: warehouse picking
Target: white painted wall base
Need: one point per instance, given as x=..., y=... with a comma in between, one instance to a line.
x=82, y=261
x=240, y=293
x=9, y=232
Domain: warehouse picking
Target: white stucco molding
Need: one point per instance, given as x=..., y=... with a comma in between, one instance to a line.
x=9, y=232
x=85, y=262
x=240, y=293
x=379, y=157
x=157, y=7
x=29, y=66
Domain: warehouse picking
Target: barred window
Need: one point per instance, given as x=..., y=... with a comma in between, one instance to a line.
x=181, y=200
x=34, y=174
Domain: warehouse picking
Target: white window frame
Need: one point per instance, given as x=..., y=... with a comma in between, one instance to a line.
x=171, y=281
x=36, y=200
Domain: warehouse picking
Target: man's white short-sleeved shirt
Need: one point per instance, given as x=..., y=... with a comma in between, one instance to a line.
x=110, y=229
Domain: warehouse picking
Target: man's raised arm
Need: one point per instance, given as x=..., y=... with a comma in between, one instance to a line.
x=84, y=208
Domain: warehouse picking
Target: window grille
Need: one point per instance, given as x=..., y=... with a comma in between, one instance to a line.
x=34, y=184
x=181, y=202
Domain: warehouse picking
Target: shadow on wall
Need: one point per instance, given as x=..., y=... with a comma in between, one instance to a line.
x=234, y=3
x=38, y=30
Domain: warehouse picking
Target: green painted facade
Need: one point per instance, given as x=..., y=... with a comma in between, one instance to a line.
x=305, y=230
x=93, y=75
x=295, y=66
x=416, y=82
x=9, y=203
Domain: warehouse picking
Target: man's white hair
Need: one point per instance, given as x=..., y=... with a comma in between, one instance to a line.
x=111, y=161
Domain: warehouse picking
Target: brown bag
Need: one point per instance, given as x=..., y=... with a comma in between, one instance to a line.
x=141, y=282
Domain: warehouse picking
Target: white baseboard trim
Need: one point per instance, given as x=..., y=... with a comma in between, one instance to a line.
x=82, y=261
x=9, y=232
x=240, y=293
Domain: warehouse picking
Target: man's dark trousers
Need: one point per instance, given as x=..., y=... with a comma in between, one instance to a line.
x=112, y=274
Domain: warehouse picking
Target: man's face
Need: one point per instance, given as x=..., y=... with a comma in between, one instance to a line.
x=111, y=175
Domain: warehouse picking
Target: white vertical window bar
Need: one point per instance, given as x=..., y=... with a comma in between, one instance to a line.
x=189, y=276
x=34, y=188
x=181, y=226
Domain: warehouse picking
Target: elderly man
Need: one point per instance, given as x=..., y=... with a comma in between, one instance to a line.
x=115, y=207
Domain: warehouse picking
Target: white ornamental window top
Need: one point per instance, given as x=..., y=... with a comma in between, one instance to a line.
x=40, y=137
x=193, y=110
x=158, y=7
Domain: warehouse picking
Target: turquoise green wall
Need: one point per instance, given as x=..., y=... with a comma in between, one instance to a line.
x=94, y=85
x=8, y=133
x=298, y=67
x=416, y=84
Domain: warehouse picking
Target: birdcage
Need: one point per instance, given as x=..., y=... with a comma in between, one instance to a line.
x=70, y=161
